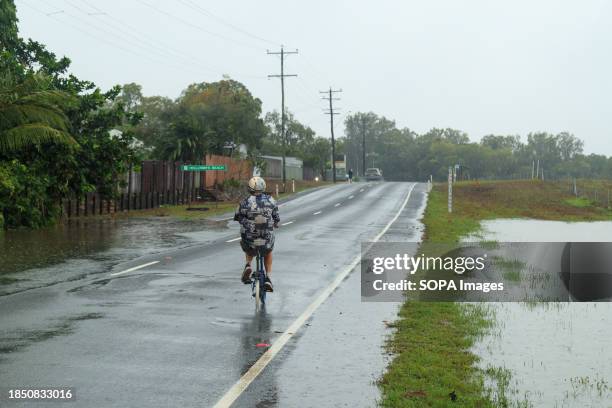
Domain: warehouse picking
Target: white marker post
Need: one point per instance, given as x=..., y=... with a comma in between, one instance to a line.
x=450, y=189
x=293, y=185
x=277, y=191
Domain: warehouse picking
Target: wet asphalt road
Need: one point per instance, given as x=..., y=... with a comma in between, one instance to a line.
x=182, y=331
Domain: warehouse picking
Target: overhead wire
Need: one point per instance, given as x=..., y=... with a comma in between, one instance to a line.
x=194, y=6
x=54, y=16
x=196, y=26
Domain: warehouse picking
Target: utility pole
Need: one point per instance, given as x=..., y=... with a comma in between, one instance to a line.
x=363, y=146
x=282, y=76
x=331, y=114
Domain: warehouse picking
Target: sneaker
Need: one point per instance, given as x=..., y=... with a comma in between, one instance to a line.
x=246, y=274
x=268, y=285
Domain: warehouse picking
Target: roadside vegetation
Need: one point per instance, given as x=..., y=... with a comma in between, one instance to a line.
x=432, y=364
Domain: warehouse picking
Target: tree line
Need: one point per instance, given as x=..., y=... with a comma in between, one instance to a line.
x=210, y=116
x=402, y=154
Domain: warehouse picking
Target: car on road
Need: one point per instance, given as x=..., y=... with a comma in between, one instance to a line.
x=373, y=174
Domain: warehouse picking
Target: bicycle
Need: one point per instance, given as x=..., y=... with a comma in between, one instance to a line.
x=258, y=276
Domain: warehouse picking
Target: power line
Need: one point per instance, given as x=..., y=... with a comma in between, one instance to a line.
x=156, y=53
x=53, y=15
x=132, y=39
x=117, y=24
x=282, y=77
x=195, y=26
x=194, y=6
x=156, y=44
x=330, y=98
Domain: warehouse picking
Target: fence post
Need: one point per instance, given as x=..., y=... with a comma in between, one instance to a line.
x=450, y=189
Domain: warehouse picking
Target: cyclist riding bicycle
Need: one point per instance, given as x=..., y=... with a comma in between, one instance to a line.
x=258, y=202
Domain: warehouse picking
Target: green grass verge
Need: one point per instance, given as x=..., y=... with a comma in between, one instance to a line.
x=433, y=365
x=579, y=202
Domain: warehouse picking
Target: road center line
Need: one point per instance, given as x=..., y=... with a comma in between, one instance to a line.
x=233, y=239
x=337, y=204
x=351, y=197
x=247, y=378
x=288, y=222
x=317, y=213
x=134, y=268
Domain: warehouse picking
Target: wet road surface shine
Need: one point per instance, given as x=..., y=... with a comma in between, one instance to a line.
x=182, y=331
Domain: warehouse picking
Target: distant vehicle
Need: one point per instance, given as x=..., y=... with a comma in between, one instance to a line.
x=373, y=174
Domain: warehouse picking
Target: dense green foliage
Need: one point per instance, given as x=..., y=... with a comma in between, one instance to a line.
x=207, y=116
x=31, y=114
x=56, y=137
x=404, y=155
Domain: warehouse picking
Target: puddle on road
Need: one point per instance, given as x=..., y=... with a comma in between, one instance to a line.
x=557, y=354
x=19, y=339
x=35, y=258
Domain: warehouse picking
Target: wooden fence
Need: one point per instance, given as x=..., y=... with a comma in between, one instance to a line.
x=158, y=175
x=160, y=183
x=163, y=183
x=95, y=204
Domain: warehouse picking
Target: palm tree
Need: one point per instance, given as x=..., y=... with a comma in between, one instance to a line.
x=31, y=114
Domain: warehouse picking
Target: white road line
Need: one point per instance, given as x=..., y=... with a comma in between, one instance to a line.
x=288, y=222
x=247, y=378
x=233, y=239
x=337, y=204
x=134, y=268
x=317, y=213
x=351, y=197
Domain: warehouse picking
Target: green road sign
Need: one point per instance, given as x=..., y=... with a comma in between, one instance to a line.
x=203, y=167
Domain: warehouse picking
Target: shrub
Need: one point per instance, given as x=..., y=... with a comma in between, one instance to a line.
x=24, y=198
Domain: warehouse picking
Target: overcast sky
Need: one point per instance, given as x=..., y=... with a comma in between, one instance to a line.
x=481, y=66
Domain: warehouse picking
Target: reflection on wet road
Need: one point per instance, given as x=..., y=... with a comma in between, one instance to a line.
x=36, y=258
x=180, y=332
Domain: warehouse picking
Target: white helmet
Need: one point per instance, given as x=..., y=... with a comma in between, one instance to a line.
x=257, y=185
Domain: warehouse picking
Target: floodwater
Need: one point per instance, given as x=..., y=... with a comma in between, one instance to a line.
x=556, y=354
x=35, y=258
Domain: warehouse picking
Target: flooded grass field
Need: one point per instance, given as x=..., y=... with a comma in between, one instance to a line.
x=548, y=354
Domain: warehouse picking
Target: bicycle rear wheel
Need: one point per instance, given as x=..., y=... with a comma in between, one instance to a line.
x=258, y=290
